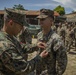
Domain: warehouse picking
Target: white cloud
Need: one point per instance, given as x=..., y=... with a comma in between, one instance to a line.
x=68, y=3
x=62, y=1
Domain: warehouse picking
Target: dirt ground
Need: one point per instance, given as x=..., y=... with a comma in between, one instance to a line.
x=71, y=66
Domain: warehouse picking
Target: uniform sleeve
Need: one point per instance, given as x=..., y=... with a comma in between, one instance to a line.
x=13, y=61
x=61, y=57
x=29, y=48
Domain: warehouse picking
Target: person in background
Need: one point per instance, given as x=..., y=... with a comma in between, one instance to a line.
x=56, y=62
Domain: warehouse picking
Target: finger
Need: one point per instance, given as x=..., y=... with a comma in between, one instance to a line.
x=46, y=52
x=43, y=44
x=42, y=47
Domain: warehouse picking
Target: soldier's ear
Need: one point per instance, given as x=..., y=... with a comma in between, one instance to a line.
x=10, y=22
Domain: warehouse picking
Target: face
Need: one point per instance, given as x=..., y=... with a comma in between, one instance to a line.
x=15, y=28
x=46, y=22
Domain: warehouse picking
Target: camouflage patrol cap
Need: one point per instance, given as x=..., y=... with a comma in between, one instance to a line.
x=16, y=15
x=44, y=13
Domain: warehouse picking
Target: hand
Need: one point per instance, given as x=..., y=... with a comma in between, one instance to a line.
x=41, y=45
x=44, y=54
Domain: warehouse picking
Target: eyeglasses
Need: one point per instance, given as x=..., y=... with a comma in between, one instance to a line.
x=16, y=22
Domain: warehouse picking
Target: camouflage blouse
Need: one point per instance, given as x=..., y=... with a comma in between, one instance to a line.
x=57, y=60
x=12, y=61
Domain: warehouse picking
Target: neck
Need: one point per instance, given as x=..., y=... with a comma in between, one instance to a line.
x=46, y=31
x=4, y=29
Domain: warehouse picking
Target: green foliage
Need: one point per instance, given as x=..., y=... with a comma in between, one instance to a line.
x=19, y=6
x=60, y=10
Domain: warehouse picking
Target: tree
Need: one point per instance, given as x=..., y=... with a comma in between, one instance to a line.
x=60, y=10
x=18, y=7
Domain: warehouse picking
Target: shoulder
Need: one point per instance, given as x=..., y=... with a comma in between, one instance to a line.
x=55, y=36
x=57, y=39
x=57, y=42
x=39, y=34
x=2, y=35
x=5, y=44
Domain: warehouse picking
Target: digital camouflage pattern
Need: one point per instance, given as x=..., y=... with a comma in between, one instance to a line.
x=12, y=61
x=16, y=15
x=44, y=13
x=74, y=29
x=55, y=63
x=69, y=38
x=25, y=36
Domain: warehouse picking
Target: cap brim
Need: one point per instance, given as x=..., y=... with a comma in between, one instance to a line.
x=26, y=24
x=41, y=16
x=23, y=24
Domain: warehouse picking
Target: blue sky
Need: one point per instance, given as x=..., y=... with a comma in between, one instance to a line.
x=69, y=5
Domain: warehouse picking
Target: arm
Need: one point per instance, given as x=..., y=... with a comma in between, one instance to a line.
x=29, y=48
x=61, y=57
x=14, y=62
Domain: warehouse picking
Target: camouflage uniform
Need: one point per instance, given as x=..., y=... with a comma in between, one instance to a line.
x=25, y=37
x=11, y=56
x=54, y=28
x=12, y=60
x=69, y=38
x=74, y=29
x=61, y=32
x=55, y=63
